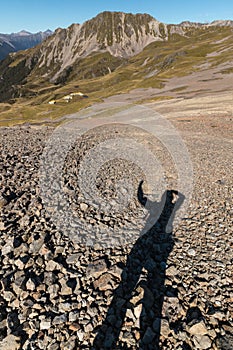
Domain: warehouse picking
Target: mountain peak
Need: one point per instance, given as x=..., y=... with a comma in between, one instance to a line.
x=48, y=31
x=121, y=34
x=23, y=33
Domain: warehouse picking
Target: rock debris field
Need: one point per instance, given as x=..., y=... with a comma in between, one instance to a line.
x=159, y=291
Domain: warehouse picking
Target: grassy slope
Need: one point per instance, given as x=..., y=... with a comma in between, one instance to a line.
x=151, y=68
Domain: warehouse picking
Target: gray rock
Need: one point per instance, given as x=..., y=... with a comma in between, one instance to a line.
x=191, y=252
x=103, y=282
x=202, y=342
x=30, y=285
x=59, y=319
x=65, y=289
x=83, y=207
x=198, y=328
x=11, y=342
x=97, y=268
x=45, y=324
x=2, y=225
x=3, y=201
x=165, y=328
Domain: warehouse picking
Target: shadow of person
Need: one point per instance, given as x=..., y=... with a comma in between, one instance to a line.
x=150, y=251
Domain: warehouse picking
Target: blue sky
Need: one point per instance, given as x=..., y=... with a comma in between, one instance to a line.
x=36, y=15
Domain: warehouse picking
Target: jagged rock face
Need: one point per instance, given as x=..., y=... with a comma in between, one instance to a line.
x=217, y=23
x=122, y=35
x=220, y=23
x=20, y=41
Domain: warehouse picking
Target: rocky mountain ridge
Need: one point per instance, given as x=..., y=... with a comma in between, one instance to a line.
x=20, y=41
x=122, y=35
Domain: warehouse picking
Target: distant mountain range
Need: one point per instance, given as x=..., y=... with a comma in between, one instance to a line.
x=138, y=49
x=20, y=41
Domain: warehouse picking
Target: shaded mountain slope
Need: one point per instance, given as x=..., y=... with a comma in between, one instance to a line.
x=20, y=41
